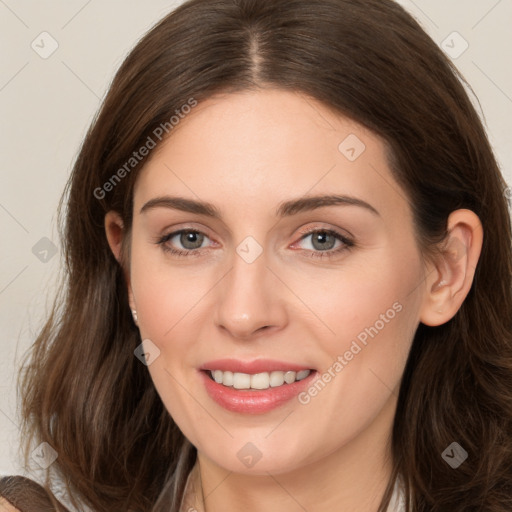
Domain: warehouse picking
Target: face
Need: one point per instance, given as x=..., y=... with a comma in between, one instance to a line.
x=268, y=283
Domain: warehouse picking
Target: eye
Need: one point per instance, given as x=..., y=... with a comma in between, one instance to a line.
x=190, y=239
x=323, y=243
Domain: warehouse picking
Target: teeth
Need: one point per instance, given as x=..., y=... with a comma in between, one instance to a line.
x=263, y=380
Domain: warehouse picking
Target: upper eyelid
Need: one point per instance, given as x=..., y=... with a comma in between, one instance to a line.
x=322, y=225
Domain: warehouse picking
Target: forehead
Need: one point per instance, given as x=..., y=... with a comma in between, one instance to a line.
x=259, y=148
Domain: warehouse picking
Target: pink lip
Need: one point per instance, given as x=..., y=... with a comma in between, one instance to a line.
x=252, y=367
x=251, y=401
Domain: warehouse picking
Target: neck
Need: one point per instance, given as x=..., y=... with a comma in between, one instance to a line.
x=352, y=479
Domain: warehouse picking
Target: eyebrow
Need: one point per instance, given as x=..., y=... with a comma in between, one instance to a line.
x=285, y=209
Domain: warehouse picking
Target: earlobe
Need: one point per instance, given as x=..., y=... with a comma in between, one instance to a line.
x=449, y=282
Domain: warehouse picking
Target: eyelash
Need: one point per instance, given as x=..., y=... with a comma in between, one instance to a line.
x=347, y=243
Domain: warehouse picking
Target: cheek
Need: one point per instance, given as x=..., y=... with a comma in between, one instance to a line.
x=164, y=297
x=370, y=314
x=373, y=316
x=370, y=293
x=165, y=300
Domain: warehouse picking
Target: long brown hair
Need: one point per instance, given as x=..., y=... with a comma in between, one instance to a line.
x=86, y=394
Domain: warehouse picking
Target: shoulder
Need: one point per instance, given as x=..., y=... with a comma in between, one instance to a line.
x=5, y=506
x=21, y=494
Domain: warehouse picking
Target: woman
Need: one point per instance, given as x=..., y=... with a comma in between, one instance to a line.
x=288, y=275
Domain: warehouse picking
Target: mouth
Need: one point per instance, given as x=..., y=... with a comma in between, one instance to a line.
x=254, y=387
x=257, y=381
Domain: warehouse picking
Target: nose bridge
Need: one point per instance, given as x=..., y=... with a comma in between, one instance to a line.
x=249, y=298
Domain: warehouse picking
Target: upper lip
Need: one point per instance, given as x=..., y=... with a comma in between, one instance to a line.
x=252, y=367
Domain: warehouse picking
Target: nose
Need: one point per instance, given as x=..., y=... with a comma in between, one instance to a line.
x=250, y=300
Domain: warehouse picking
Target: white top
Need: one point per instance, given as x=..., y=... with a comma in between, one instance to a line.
x=397, y=503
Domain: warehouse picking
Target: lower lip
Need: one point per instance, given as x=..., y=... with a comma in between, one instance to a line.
x=250, y=401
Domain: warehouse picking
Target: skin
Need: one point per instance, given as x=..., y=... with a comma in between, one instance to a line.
x=5, y=506
x=246, y=153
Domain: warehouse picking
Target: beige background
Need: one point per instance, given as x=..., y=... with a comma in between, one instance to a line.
x=46, y=105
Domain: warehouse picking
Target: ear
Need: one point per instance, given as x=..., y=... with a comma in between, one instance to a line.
x=114, y=229
x=449, y=281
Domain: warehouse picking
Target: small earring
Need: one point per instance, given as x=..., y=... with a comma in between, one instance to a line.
x=135, y=319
